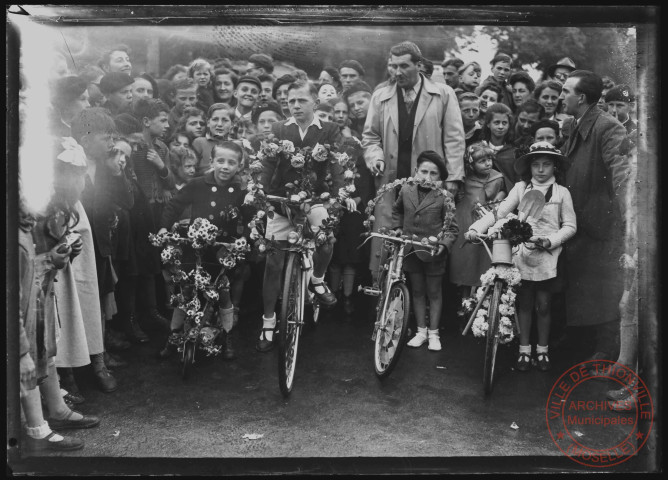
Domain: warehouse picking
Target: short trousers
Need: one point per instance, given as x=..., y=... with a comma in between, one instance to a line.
x=279, y=227
x=413, y=264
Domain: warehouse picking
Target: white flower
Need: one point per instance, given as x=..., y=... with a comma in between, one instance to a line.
x=254, y=235
x=261, y=248
x=246, y=144
x=260, y=214
x=324, y=196
x=348, y=175
x=295, y=198
x=342, y=158
x=298, y=160
x=249, y=199
x=303, y=195
x=288, y=146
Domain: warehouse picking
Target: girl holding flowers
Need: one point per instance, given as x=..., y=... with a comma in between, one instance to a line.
x=540, y=170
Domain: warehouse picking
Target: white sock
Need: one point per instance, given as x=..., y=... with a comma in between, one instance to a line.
x=318, y=284
x=43, y=431
x=525, y=349
x=268, y=323
x=422, y=331
x=541, y=349
x=434, y=333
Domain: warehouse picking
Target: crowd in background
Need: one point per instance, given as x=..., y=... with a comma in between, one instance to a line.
x=126, y=146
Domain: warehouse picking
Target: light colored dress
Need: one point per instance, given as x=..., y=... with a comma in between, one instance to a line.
x=556, y=222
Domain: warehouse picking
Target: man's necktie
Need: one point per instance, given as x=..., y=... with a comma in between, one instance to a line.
x=409, y=98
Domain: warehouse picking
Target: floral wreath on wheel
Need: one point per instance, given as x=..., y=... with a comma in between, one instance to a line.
x=301, y=191
x=201, y=234
x=516, y=231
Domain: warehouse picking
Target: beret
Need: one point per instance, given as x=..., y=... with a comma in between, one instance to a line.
x=113, y=82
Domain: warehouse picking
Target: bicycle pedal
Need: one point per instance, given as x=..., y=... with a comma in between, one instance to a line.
x=374, y=292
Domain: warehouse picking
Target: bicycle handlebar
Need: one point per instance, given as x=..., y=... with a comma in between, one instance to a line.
x=287, y=201
x=404, y=239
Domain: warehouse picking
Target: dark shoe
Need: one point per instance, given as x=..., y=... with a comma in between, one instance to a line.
x=105, y=380
x=621, y=393
x=88, y=421
x=348, y=306
x=114, y=341
x=112, y=361
x=229, y=353
x=68, y=383
x=263, y=345
x=543, y=362
x=43, y=444
x=523, y=362
x=133, y=332
x=625, y=405
x=157, y=320
x=326, y=299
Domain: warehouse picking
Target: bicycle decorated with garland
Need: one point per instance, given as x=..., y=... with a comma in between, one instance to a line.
x=199, y=296
x=492, y=307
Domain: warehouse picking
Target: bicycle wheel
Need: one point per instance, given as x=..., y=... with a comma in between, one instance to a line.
x=393, y=329
x=492, y=341
x=291, y=323
x=188, y=358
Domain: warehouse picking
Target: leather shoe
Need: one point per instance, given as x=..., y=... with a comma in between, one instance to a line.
x=133, y=332
x=625, y=405
x=87, y=421
x=114, y=341
x=327, y=298
x=523, y=362
x=42, y=444
x=543, y=362
x=229, y=353
x=263, y=345
x=105, y=380
x=112, y=361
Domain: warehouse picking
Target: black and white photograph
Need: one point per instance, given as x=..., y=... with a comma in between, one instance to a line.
x=325, y=240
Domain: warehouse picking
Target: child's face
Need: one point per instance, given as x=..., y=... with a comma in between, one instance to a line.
x=282, y=96
x=195, y=126
x=619, y=110
x=224, y=87
x=219, y=124
x=427, y=171
x=326, y=92
x=180, y=141
x=501, y=70
x=267, y=88
x=358, y=104
x=202, y=77
x=499, y=125
x=187, y=170
x=247, y=94
x=525, y=121
x=246, y=131
x=520, y=93
x=487, y=98
x=470, y=112
x=157, y=126
x=482, y=166
x=546, y=134
x=78, y=104
x=226, y=164
x=98, y=146
x=470, y=77
x=185, y=98
x=542, y=169
x=341, y=114
x=549, y=99
x=265, y=122
x=121, y=99
x=324, y=116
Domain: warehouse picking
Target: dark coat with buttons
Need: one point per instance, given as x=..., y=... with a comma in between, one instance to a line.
x=221, y=205
x=433, y=215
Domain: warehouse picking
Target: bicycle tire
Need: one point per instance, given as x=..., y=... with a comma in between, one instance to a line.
x=492, y=341
x=390, y=343
x=188, y=359
x=290, y=323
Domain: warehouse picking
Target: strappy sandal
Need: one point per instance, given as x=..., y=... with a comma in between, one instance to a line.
x=523, y=362
x=263, y=344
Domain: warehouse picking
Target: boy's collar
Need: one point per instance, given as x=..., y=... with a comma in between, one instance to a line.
x=315, y=121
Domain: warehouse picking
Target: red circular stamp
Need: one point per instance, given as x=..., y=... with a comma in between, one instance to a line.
x=591, y=428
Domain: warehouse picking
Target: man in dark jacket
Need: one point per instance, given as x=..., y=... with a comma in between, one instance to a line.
x=596, y=180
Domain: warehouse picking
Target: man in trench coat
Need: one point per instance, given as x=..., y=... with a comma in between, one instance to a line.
x=405, y=118
x=597, y=181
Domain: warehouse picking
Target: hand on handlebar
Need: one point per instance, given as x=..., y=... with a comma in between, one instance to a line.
x=542, y=241
x=397, y=232
x=471, y=235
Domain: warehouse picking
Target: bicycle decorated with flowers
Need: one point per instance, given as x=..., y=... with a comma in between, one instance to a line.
x=199, y=296
x=310, y=165
x=493, y=305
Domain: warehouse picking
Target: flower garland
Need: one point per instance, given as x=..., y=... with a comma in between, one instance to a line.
x=301, y=191
x=512, y=278
x=411, y=181
x=201, y=233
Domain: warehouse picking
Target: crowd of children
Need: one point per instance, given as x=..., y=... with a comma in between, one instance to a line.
x=141, y=154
